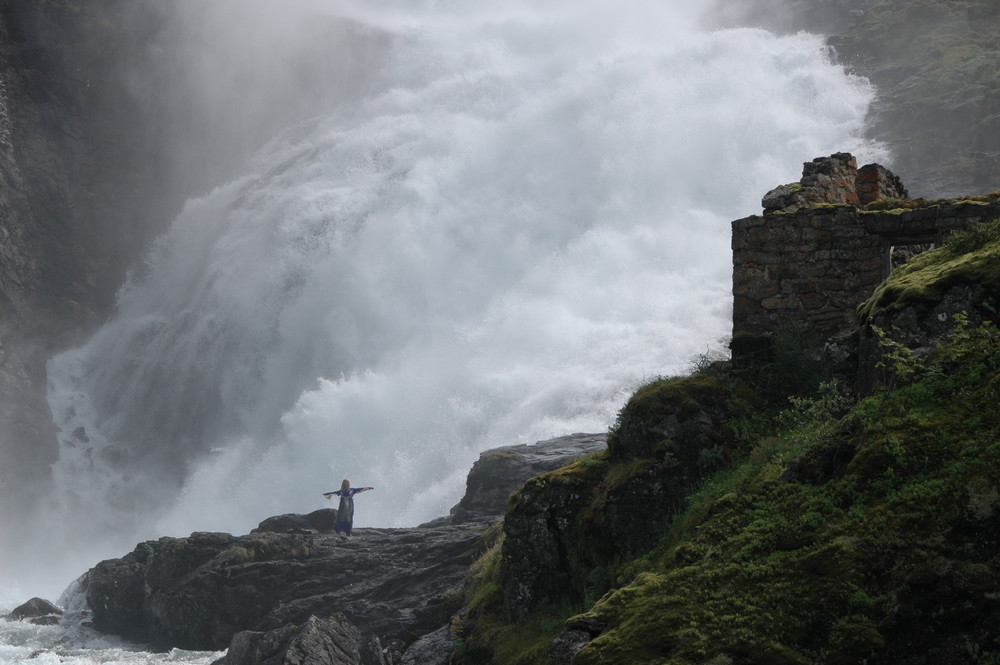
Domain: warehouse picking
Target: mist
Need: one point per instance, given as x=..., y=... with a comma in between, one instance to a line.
x=412, y=232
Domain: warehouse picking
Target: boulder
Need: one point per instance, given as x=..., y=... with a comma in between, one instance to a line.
x=431, y=649
x=38, y=611
x=321, y=521
x=331, y=641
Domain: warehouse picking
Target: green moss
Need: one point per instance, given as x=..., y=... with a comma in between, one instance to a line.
x=971, y=257
x=764, y=568
x=836, y=531
x=480, y=635
x=492, y=460
x=888, y=203
x=263, y=547
x=235, y=555
x=896, y=206
x=639, y=425
x=583, y=470
x=680, y=395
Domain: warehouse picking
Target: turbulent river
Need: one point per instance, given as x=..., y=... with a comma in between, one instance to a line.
x=523, y=215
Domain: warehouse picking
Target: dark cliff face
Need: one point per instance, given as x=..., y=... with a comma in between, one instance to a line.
x=938, y=106
x=71, y=159
x=76, y=207
x=934, y=63
x=112, y=114
x=43, y=272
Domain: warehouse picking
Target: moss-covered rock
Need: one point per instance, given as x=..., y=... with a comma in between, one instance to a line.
x=568, y=531
x=922, y=300
x=829, y=532
x=969, y=258
x=887, y=557
x=694, y=410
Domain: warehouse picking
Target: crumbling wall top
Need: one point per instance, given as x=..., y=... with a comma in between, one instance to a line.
x=834, y=180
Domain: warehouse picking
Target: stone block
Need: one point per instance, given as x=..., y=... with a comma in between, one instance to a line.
x=817, y=237
x=876, y=182
x=780, y=302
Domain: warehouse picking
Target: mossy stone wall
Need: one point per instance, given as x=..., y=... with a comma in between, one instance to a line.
x=806, y=264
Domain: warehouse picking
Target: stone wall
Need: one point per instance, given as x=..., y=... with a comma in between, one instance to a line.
x=814, y=255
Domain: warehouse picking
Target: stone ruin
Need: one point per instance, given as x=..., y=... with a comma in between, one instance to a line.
x=834, y=180
x=816, y=253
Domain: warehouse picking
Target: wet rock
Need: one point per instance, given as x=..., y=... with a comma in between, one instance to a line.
x=196, y=592
x=579, y=631
x=396, y=584
x=500, y=471
x=431, y=649
x=38, y=611
x=567, y=645
x=331, y=641
x=320, y=521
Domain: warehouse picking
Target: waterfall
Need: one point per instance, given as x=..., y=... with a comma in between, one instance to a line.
x=523, y=216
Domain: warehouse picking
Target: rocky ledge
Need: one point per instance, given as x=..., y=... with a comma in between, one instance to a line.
x=292, y=592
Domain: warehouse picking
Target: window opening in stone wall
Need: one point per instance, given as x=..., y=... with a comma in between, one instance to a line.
x=900, y=254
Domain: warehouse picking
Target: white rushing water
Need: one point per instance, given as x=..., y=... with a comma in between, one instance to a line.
x=523, y=218
x=73, y=643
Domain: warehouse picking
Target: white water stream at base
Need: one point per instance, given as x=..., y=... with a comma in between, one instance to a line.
x=525, y=217
x=73, y=643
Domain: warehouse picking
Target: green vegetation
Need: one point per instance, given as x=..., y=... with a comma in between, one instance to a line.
x=837, y=534
x=897, y=205
x=811, y=528
x=263, y=547
x=631, y=492
x=481, y=636
x=820, y=207
x=969, y=257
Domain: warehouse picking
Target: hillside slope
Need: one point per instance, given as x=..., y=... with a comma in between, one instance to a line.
x=812, y=529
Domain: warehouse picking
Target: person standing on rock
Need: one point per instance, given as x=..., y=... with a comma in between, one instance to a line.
x=345, y=511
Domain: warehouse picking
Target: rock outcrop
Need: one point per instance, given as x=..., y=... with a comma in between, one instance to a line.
x=37, y=610
x=197, y=592
x=500, y=471
x=318, y=521
x=564, y=528
x=393, y=585
x=330, y=641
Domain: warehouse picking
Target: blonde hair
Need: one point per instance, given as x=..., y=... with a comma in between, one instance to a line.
x=346, y=484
